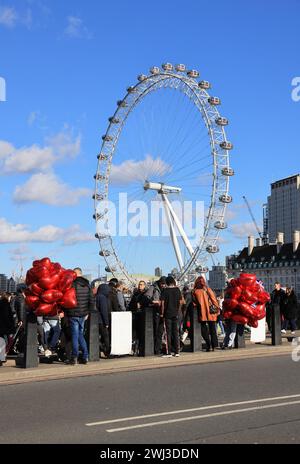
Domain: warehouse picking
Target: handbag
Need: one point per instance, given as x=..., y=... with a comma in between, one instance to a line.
x=213, y=309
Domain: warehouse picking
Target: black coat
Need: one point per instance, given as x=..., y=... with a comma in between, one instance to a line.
x=278, y=297
x=85, y=299
x=113, y=302
x=138, y=297
x=102, y=304
x=7, y=323
x=290, y=308
x=20, y=307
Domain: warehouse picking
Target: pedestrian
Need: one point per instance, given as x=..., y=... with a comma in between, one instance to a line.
x=102, y=305
x=137, y=306
x=120, y=295
x=220, y=324
x=208, y=310
x=231, y=329
x=290, y=309
x=113, y=302
x=7, y=324
x=52, y=330
x=78, y=316
x=153, y=296
x=277, y=298
x=171, y=302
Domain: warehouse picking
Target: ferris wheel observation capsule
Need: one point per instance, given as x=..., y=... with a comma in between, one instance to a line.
x=107, y=138
x=193, y=73
x=154, y=70
x=180, y=67
x=122, y=103
x=110, y=269
x=214, y=101
x=142, y=77
x=104, y=253
x=225, y=198
x=226, y=145
x=114, y=120
x=222, y=121
x=167, y=67
x=102, y=157
x=228, y=172
x=131, y=89
x=204, y=85
x=212, y=249
x=220, y=225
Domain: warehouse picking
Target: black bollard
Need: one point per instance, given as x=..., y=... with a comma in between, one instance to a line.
x=29, y=358
x=93, y=336
x=195, y=331
x=147, y=345
x=239, y=341
x=276, y=325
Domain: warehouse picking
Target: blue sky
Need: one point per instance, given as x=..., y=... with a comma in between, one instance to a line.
x=67, y=63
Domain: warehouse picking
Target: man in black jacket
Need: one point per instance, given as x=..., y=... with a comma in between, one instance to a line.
x=78, y=315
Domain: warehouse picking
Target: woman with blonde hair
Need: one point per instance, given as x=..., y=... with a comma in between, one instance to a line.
x=208, y=308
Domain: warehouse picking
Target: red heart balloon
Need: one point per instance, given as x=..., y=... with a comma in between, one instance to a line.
x=40, y=272
x=30, y=277
x=227, y=314
x=239, y=319
x=253, y=323
x=36, y=262
x=45, y=309
x=32, y=301
x=65, y=282
x=71, y=273
x=51, y=296
x=248, y=297
x=36, y=289
x=247, y=279
x=260, y=312
x=46, y=262
x=230, y=304
x=69, y=300
x=246, y=310
x=263, y=297
x=47, y=283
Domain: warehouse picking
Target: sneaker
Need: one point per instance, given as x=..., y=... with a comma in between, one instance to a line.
x=283, y=331
x=41, y=349
x=73, y=361
x=176, y=355
x=166, y=356
x=84, y=361
x=293, y=332
x=48, y=353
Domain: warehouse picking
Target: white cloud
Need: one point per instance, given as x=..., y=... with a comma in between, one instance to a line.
x=8, y=16
x=75, y=28
x=36, y=158
x=21, y=233
x=64, y=146
x=47, y=188
x=133, y=171
x=243, y=230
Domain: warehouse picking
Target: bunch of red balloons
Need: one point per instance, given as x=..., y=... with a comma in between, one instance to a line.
x=50, y=288
x=245, y=300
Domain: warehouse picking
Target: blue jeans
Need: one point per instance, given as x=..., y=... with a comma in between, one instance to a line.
x=77, y=327
x=49, y=324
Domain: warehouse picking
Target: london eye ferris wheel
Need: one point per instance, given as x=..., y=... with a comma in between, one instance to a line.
x=166, y=140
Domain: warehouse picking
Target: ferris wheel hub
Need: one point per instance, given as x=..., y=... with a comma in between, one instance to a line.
x=160, y=187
